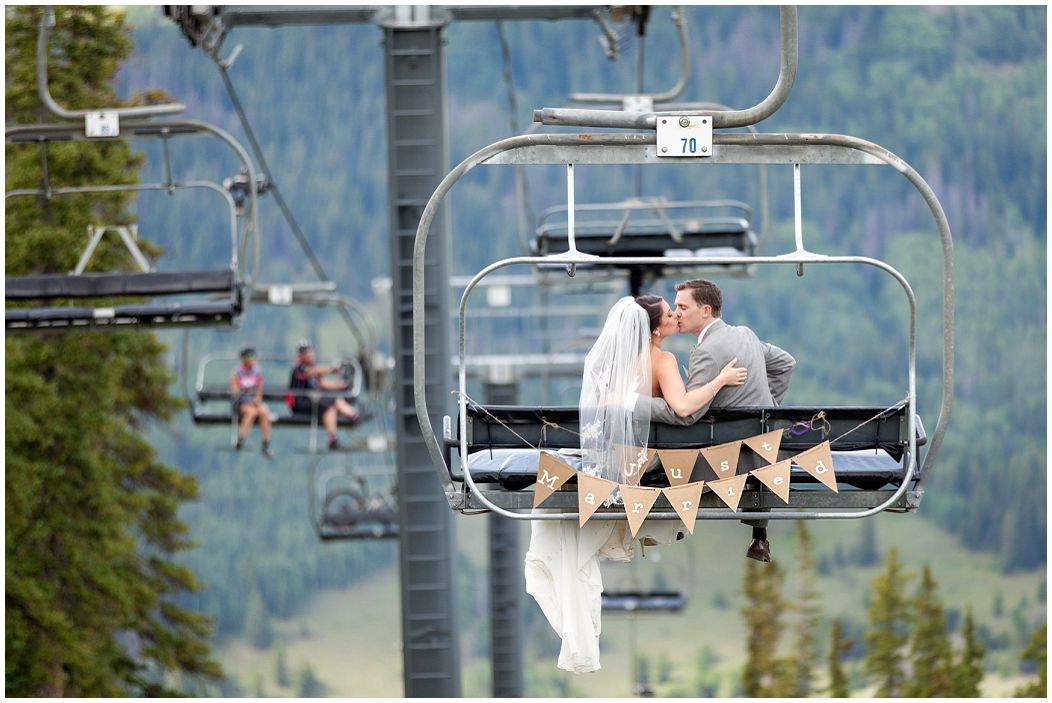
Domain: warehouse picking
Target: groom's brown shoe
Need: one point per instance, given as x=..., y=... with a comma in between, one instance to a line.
x=760, y=550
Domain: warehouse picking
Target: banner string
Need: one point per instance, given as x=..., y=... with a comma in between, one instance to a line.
x=882, y=413
x=497, y=419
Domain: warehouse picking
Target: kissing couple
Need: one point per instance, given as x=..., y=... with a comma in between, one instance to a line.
x=628, y=381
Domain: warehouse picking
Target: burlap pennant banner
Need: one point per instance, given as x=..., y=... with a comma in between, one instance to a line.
x=634, y=460
x=591, y=492
x=638, y=502
x=678, y=464
x=723, y=458
x=775, y=477
x=729, y=489
x=552, y=472
x=818, y=461
x=766, y=445
x=685, y=501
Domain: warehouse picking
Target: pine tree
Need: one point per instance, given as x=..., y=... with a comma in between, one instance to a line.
x=866, y=553
x=838, y=647
x=310, y=686
x=888, y=630
x=968, y=670
x=281, y=666
x=763, y=672
x=808, y=617
x=257, y=621
x=1036, y=651
x=930, y=652
x=91, y=515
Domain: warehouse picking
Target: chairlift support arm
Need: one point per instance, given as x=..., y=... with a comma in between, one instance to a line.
x=720, y=119
x=47, y=21
x=672, y=93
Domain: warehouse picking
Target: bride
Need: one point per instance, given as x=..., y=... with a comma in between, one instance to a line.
x=626, y=362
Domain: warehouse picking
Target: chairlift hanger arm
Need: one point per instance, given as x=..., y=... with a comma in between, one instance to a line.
x=720, y=119
x=672, y=93
x=135, y=187
x=47, y=20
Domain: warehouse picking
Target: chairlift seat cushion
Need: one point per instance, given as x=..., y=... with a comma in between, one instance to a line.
x=106, y=285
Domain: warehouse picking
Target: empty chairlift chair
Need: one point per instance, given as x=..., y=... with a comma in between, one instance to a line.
x=81, y=298
x=353, y=497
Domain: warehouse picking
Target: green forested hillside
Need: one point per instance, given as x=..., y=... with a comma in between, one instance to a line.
x=958, y=92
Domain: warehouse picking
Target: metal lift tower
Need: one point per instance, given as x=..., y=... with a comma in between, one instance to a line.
x=418, y=159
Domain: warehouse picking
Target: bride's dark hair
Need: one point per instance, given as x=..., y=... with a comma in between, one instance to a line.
x=652, y=304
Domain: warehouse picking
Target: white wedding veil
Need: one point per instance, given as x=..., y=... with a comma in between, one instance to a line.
x=614, y=426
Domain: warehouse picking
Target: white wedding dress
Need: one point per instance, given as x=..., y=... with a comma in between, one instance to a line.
x=562, y=563
x=563, y=576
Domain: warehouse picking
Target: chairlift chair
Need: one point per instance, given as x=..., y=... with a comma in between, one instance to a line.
x=206, y=297
x=212, y=400
x=892, y=434
x=222, y=285
x=352, y=500
x=886, y=452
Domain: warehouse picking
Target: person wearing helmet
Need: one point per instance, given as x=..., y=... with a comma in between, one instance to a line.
x=308, y=375
x=246, y=383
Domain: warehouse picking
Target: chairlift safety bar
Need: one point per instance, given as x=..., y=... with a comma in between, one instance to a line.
x=143, y=129
x=168, y=186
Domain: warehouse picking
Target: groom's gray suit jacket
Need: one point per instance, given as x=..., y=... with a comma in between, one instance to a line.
x=769, y=371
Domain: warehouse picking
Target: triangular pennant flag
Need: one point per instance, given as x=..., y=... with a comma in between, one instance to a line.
x=723, y=458
x=552, y=472
x=684, y=500
x=638, y=502
x=634, y=460
x=775, y=477
x=729, y=489
x=766, y=445
x=591, y=492
x=678, y=463
x=818, y=461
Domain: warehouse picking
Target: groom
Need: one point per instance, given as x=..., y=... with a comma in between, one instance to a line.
x=699, y=304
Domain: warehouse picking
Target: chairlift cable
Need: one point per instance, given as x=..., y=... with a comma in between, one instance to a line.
x=319, y=270
x=272, y=183
x=522, y=185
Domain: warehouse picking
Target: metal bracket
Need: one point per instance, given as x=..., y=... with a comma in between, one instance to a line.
x=47, y=21
x=128, y=235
